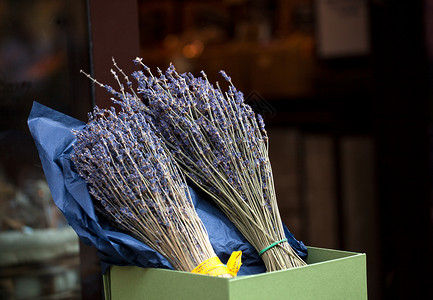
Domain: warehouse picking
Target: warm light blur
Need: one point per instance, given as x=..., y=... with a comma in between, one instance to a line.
x=193, y=49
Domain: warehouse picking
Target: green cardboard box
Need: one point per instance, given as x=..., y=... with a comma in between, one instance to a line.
x=330, y=274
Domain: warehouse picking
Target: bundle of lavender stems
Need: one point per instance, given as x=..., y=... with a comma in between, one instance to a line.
x=222, y=147
x=136, y=184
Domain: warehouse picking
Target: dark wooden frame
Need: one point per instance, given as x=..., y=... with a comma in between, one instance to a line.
x=113, y=33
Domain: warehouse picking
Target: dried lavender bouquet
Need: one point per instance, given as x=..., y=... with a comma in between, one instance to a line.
x=137, y=186
x=222, y=146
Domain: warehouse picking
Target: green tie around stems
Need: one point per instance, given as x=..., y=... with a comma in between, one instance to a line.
x=271, y=246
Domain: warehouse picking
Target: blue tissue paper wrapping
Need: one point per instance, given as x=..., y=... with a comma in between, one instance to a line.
x=52, y=133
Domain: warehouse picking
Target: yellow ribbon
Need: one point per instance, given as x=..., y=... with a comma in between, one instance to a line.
x=234, y=263
x=214, y=267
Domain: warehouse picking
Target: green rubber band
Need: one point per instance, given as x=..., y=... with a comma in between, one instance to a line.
x=271, y=246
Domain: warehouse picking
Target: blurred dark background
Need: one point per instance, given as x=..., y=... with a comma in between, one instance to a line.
x=345, y=88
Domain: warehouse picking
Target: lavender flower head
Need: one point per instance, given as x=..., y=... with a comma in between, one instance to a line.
x=136, y=184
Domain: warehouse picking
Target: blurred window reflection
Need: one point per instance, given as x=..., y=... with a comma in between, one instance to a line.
x=43, y=45
x=266, y=46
